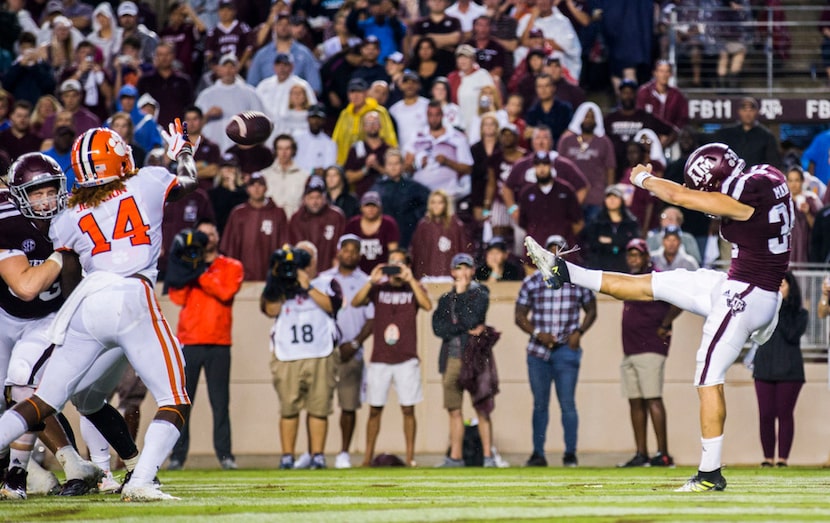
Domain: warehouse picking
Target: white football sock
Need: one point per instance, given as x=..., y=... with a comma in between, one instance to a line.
x=710, y=455
x=590, y=279
x=12, y=426
x=99, y=449
x=158, y=442
x=20, y=458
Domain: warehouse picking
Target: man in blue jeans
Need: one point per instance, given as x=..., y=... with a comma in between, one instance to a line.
x=551, y=318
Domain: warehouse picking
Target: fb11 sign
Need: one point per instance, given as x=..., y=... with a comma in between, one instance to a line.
x=773, y=110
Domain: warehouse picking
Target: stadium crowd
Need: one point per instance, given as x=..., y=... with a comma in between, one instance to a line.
x=434, y=136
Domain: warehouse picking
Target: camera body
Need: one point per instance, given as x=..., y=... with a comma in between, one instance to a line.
x=187, y=258
x=390, y=270
x=282, y=278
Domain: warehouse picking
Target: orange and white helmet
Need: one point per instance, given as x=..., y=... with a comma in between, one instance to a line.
x=101, y=156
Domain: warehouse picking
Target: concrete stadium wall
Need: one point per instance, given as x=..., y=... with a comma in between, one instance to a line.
x=604, y=416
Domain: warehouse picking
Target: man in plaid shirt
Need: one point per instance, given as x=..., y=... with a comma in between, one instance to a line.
x=553, y=352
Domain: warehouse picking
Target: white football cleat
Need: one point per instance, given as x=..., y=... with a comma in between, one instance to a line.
x=142, y=493
x=40, y=481
x=108, y=484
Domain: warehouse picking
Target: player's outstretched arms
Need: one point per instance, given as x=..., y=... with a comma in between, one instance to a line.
x=712, y=203
x=24, y=280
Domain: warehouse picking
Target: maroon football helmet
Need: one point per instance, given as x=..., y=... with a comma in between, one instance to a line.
x=709, y=165
x=34, y=171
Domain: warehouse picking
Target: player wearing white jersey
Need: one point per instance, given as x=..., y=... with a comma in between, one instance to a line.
x=113, y=223
x=756, y=212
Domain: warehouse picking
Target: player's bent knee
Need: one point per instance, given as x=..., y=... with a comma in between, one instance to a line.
x=19, y=373
x=34, y=410
x=175, y=414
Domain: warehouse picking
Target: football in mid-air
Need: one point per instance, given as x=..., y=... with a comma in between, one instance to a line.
x=249, y=128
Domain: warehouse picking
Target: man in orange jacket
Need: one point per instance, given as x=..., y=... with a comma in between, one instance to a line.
x=205, y=333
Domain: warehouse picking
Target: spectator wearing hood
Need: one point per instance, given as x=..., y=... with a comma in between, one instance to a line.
x=586, y=145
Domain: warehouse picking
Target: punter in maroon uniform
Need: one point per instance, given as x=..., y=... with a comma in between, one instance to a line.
x=756, y=213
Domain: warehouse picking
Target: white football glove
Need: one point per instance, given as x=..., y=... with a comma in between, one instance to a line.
x=177, y=140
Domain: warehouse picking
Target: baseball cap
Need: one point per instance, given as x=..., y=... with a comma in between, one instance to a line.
x=371, y=198
x=629, y=84
x=227, y=3
x=638, y=244
x=283, y=58
x=347, y=238
x=615, y=190
x=315, y=183
x=497, y=242
x=370, y=39
x=228, y=57
x=748, y=100
x=462, y=258
x=541, y=157
x=127, y=8
x=536, y=33
x=409, y=74
x=553, y=59
x=54, y=6
x=672, y=230
x=510, y=127
x=555, y=239
x=396, y=57
x=128, y=90
x=466, y=50
x=70, y=85
x=257, y=177
x=358, y=84
x=316, y=110
x=230, y=159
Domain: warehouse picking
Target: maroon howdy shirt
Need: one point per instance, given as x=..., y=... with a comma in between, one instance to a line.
x=374, y=248
x=395, y=338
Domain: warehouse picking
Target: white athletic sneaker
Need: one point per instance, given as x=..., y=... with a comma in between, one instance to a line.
x=40, y=481
x=303, y=462
x=108, y=484
x=139, y=493
x=342, y=461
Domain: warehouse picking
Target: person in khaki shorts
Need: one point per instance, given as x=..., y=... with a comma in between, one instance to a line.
x=302, y=342
x=461, y=312
x=646, y=335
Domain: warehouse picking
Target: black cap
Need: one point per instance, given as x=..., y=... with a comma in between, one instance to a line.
x=283, y=58
x=358, y=84
x=673, y=230
x=316, y=110
x=628, y=83
x=497, y=242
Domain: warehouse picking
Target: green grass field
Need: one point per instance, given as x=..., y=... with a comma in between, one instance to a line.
x=512, y=494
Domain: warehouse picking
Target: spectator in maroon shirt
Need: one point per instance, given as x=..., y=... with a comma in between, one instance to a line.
x=566, y=91
x=255, y=229
x=624, y=122
x=491, y=55
x=378, y=233
x=661, y=99
x=318, y=222
x=646, y=335
x=230, y=36
x=18, y=139
x=438, y=237
x=184, y=30
x=549, y=206
x=172, y=89
x=252, y=158
x=83, y=119
x=643, y=205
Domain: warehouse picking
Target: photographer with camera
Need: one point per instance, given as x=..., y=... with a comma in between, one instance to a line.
x=302, y=343
x=397, y=297
x=204, y=283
